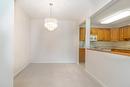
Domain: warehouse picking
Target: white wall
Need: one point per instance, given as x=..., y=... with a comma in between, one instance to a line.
x=60, y=46
x=88, y=32
x=6, y=38
x=22, y=39
x=111, y=69
x=96, y=5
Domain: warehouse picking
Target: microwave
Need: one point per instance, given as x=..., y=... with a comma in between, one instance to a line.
x=93, y=37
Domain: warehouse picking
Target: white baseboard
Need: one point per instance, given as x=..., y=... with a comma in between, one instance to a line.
x=55, y=60
x=22, y=68
x=94, y=78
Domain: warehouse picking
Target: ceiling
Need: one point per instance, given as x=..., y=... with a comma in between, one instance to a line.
x=62, y=9
x=109, y=10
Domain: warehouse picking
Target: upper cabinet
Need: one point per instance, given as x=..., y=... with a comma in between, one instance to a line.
x=82, y=34
x=121, y=33
x=126, y=33
x=112, y=34
x=94, y=31
x=103, y=34
x=100, y=35
x=107, y=34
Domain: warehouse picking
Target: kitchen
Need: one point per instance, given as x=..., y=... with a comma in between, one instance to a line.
x=108, y=57
x=111, y=39
x=114, y=36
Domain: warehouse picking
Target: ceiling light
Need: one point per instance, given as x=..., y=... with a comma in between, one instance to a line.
x=115, y=17
x=51, y=23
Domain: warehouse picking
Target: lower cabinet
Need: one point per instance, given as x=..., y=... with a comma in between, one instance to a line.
x=121, y=52
x=82, y=55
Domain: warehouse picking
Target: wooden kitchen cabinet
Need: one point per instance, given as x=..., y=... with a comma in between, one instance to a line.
x=82, y=34
x=121, y=33
x=121, y=52
x=115, y=34
x=126, y=32
x=82, y=55
x=94, y=31
x=107, y=34
x=100, y=36
x=103, y=34
x=129, y=32
x=125, y=29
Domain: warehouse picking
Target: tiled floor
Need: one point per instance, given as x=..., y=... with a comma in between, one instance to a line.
x=54, y=75
x=82, y=65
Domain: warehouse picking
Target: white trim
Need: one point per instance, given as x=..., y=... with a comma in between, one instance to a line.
x=18, y=71
x=77, y=59
x=55, y=60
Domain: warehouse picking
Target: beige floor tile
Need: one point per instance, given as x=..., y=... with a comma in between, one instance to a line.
x=54, y=75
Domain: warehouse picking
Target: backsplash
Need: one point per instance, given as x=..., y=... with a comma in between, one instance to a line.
x=119, y=44
x=82, y=44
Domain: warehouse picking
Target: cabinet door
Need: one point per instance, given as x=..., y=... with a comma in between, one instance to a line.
x=128, y=32
x=82, y=55
x=94, y=31
x=106, y=34
x=103, y=34
x=121, y=34
x=82, y=34
x=124, y=33
x=100, y=35
x=114, y=34
x=125, y=29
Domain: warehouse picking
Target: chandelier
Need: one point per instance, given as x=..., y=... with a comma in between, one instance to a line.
x=51, y=23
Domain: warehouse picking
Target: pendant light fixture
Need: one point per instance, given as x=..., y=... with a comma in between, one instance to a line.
x=51, y=23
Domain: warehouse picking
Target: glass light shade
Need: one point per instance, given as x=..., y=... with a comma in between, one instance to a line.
x=51, y=24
